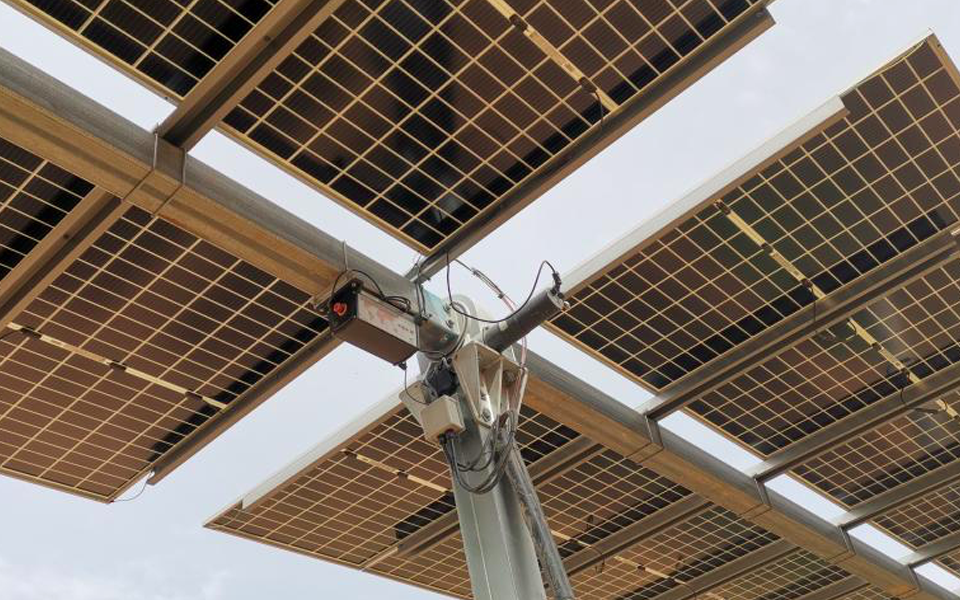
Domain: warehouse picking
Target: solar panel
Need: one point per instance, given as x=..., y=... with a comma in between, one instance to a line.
x=35, y=195
x=169, y=44
x=147, y=336
x=673, y=557
x=926, y=519
x=791, y=577
x=888, y=456
x=355, y=500
x=420, y=116
x=840, y=194
x=819, y=381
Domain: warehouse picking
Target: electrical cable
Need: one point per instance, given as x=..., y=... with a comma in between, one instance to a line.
x=135, y=496
x=533, y=290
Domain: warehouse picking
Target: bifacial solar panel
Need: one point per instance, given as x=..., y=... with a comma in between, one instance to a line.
x=421, y=116
x=791, y=577
x=926, y=519
x=143, y=339
x=168, y=44
x=846, y=190
x=356, y=499
x=817, y=382
x=35, y=196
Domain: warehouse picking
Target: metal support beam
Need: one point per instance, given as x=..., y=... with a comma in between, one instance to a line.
x=500, y=552
x=730, y=571
x=840, y=589
x=635, y=533
x=931, y=552
x=890, y=407
x=55, y=122
x=901, y=495
x=889, y=276
x=48, y=260
x=257, y=54
x=713, y=52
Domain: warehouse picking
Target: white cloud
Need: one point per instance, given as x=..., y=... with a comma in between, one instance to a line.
x=129, y=582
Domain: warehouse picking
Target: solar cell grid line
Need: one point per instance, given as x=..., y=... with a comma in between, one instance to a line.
x=611, y=546
x=170, y=46
x=951, y=562
x=926, y=519
x=369, y=192
x=605, y=102
x=35, y=452
x=209, y=338
x=270, y=40
x=387, y=446
x=845, y=217
x=789, y=578
x=582, y=507
x=867, y=592
x=35, y=196
x=884, y=458
x=617, y=313
x=42, y=390
x=676, y=556
x=462, y=124
x=665, y=586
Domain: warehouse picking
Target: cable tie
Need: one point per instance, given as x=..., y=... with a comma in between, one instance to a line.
x=517, y=21
x=588, y=85
x=722, y=207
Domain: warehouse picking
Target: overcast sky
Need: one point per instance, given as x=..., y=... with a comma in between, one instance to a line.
x=56, y=546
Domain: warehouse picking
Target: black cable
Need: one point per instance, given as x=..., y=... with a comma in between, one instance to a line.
x=502, y=456
x=533, y=290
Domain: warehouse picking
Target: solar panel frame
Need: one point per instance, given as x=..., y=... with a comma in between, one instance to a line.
x=157, y=39
x=926, y=519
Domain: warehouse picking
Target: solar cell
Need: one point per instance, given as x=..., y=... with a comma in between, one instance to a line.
x=171, y=44
x=422, y=115
x=951, y=562
x=838, y=195
x=139, y=342
x=822, y=380
x=35, y=195
x=791, y=577
x=888, y=456
x=926, y=519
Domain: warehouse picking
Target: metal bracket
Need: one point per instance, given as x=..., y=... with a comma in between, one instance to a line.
x=764, y=497
x=487, y=379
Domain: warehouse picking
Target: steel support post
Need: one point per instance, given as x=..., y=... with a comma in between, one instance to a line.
x=500, y=553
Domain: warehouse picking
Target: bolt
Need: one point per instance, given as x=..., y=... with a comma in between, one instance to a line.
x=486, y=414
x=450, y=323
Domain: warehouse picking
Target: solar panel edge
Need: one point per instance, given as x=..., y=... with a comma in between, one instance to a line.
x=35, y=14
x=700, y=197
x=329, y=559
x=928, y=38
x=330, y=446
